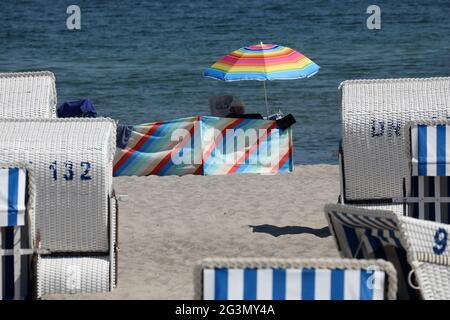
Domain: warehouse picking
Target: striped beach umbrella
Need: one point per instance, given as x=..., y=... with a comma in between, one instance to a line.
x=262, y=62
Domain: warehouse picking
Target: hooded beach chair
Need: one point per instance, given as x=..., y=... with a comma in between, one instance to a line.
x=27, y=95
x=413, y=246
x=75, y=206
x=373, y=163
x=294, y=279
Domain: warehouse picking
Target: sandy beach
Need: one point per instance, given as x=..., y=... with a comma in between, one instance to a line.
x=169, y=223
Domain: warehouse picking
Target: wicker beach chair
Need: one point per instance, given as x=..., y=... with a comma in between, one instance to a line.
x=372, y=158
x=27, y=95
x=17, y=196
x=413, y=246
x=295, y=279
x=75, y=211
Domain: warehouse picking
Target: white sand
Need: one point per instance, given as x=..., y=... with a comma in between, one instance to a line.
x=170, y=223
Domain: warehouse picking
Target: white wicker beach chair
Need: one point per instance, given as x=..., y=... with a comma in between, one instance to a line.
x=27, y=95
x=75, y=213
x=413, y=246
x=294, y=279
x=17, y=196
x=373, y=163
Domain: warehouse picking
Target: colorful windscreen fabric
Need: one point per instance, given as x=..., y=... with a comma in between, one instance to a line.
x=161, y=148
x=205, y=145
x=245, y=146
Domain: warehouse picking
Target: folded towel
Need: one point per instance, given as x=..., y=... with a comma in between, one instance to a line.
x=77, y=109
x=123, y=135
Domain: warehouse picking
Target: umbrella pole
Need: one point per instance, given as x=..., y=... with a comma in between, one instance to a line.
x=265, y=96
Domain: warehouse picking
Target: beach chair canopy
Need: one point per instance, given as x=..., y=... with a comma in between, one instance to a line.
x=411, y=245
x=27, y=95
x=374, y=112
x=295, y=279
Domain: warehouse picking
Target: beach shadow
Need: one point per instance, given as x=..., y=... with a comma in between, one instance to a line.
x=281, y=231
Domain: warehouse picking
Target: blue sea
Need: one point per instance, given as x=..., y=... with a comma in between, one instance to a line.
x=141, y=61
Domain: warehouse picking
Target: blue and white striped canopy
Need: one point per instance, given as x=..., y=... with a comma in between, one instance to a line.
x=430, y=150
x=12, y=197
x=293, y=284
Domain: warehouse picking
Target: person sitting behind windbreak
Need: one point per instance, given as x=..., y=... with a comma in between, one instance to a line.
x=237, y=110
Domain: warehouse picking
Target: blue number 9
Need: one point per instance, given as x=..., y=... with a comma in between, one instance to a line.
x=440, y=240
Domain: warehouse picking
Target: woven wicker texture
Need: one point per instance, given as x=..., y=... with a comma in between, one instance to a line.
x=68, y=274
x=27, y=95
x=373, y=115
x=273, y=263
x=72, y=275
x=428, y=252
x=113, y=243
x=396, y=208
x=71, y=161
x=426, y=237
x=434, y=281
